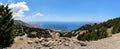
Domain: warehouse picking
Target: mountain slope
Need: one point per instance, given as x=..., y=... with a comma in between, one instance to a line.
x=32, y=31
x=21, y=23
x=100, y=31
x=95, y=31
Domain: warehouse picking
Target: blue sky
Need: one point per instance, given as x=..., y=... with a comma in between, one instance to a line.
x=66, y=10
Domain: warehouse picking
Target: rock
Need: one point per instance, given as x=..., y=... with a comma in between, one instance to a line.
x=46, y=44
x=36, y=42
x=30, y=42
x=57, y=34
x=20, y=48
x=40, y=41
x=60, y=43
x=21, y=38
x=38, y=47
x=82, y=43
x=46, y=40
x=56, y=40
x=33, y=33
x=66, y=44
x=110, y=35
x=50, y=48
x=59, y=40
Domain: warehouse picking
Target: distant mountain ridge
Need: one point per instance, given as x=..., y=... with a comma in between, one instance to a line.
x=21, y=23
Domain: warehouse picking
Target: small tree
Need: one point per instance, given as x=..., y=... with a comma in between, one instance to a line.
x=6, y=26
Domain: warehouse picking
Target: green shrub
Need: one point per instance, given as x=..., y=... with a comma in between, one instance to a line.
x=6, y=26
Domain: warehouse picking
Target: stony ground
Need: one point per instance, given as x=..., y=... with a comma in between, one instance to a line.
x=45, y=43
x=65, y=43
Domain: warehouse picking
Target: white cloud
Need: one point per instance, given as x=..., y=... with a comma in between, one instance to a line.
x=35, y=17
x=1, y=3
x=38, y=14
x=18, y=9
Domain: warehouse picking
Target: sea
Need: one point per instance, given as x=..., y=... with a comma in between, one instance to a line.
x=60, y=25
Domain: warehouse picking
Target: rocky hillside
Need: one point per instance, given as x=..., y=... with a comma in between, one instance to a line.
x=96, y=31
x=101, y=30
x=32, y=31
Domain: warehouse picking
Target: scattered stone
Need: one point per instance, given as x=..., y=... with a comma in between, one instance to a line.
x=46, y=44
x=40, y=41
x=34, y=33
x=60, y=40
x=38, y=47
x=21, y=38
x=66, y=44
x=82, y=43
x=36, y=42
x=20, y=48
x=30, y=42
x=60, y=43
x=56, y=40
x=50, y=48
x=46, y=40
x=110, y=35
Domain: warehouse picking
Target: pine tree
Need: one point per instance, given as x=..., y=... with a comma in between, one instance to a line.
x=6, y=26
